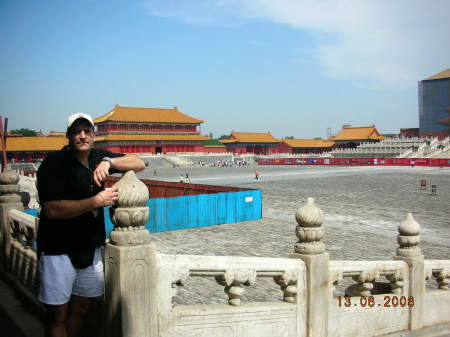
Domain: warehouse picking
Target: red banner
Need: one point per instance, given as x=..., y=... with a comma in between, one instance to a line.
x=431, y=162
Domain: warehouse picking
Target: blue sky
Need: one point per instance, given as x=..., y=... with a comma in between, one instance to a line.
x=291, y=67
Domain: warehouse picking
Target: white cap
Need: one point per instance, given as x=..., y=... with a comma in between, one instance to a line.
x=74, y=117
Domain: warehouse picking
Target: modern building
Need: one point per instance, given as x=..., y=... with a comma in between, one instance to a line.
x=354, y=136
x=294, y=146
x=434, y=100
x=445, y=121
x=148, y=130
x=251, y=142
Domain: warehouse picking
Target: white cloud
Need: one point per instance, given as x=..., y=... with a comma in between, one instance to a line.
x=389, y=43
x=194, y=11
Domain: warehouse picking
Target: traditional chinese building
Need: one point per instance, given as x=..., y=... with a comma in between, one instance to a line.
x=148, y=130
x=31, y=149
x=353, y=136
x=305, y=146
x=409, y=132
x=251, y=142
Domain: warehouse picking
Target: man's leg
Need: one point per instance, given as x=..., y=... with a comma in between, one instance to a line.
x=78, y=308
x=56, y=279
x=55, y=320
x=87, y=286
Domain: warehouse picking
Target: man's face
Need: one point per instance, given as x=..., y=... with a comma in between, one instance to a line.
x=81, y=136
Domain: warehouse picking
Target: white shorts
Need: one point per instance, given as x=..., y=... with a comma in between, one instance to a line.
x=59, y=280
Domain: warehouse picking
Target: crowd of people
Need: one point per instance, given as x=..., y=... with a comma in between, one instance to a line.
x=225, y=163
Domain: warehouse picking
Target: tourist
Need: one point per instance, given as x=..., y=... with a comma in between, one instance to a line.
x=188, y=180
x=71, y=227
x=412, y=163
x=181, y=178
x=256, y=175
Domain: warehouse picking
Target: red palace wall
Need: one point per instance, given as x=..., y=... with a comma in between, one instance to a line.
x=440, y=134
x=283, y=148
x=256, y=149
x=443, y=162
x=146, y=128
x=165, y=148
x=215, y=149
x=409, y=133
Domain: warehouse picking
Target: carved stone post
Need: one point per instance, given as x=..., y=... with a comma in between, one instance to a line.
x=8, y=200
x=130, y=264
x=409, y=251
x=311, y=250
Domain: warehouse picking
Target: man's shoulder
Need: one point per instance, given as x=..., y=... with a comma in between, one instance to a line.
x=100, y=153
x=53, y=158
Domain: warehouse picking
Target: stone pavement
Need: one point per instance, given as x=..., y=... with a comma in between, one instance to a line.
x=362, y=206
x=15, y=318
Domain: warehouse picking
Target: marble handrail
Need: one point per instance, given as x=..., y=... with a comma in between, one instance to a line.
x=365, y=273
x=440, y=270
x=233, y=272
x=23, y=258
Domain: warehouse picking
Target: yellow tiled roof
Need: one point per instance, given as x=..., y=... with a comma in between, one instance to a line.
x=359, y=133
x=146, y=115
x=443, y=74
x=307, y=143
x=56, y=143
x=35, y=143
x=250, y=137
x=150, y=137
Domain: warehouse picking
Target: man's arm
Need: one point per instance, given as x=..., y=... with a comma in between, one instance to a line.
x=125, y=163
x=128, y=162
x=67, y=209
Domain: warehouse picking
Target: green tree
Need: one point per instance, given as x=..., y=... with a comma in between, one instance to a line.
x=215, y=141
x=25, y=132
x=318, y=138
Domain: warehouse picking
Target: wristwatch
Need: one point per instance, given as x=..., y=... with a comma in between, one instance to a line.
x=107, y=159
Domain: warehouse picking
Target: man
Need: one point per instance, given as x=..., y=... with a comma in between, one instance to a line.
x=71, y=227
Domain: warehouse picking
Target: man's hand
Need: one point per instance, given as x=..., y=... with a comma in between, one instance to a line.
x=68, y=209
x=107, y=197
x=101, y=173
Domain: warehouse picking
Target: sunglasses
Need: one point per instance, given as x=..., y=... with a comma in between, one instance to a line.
x=88, y=131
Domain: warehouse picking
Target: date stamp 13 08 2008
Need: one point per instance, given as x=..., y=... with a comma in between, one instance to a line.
x=371, y=302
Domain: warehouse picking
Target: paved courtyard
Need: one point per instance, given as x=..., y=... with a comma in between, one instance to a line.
x=362, y=206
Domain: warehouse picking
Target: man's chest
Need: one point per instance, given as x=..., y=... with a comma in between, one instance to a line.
x=79, y=182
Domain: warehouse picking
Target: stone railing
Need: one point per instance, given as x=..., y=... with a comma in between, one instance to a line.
x=18, y=234
x=22, y=262
x=174, y=159
x=317, y=297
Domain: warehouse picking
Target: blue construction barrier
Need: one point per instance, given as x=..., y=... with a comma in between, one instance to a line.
x=168, y=214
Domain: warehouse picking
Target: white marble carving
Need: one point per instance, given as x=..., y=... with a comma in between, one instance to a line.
x=309, y=232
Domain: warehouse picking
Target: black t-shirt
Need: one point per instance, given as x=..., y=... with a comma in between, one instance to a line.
x=62, y=177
